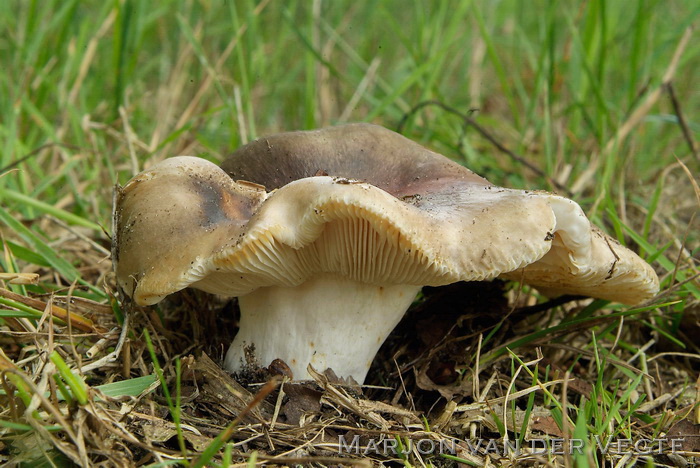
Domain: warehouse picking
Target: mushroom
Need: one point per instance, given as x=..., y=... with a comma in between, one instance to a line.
x=327, y=236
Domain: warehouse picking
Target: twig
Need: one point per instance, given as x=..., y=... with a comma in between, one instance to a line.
x=111, y=357
x=81, y=323
x=33, y=152
x=681, y=121
x=80, y=235
x=638, y=114
x=651, y=99
x=228, y=432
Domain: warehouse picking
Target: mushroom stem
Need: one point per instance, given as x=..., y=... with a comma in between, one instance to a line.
x=328, y=322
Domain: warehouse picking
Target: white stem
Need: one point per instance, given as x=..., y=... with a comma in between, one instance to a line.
x=328, y=322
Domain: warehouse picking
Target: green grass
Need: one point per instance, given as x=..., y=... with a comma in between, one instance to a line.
x=92, y=92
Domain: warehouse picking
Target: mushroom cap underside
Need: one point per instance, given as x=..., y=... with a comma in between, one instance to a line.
x=232, y=238
x=606, y=270
x=316, y=225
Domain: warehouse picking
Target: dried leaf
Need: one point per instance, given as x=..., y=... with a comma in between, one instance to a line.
x=301, y=400
x=689, y=434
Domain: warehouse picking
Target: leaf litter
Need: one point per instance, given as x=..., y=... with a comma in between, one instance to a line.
x=427, y=384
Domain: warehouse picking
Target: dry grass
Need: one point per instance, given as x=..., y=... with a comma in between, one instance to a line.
x=420, y=390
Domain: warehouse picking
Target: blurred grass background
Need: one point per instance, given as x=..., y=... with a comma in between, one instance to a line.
x=116, y=85
x=92, y=92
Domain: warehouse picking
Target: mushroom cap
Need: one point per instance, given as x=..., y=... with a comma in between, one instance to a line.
x=362, y=152
x=170, y=220
x=585, y=261
x=385, y=211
